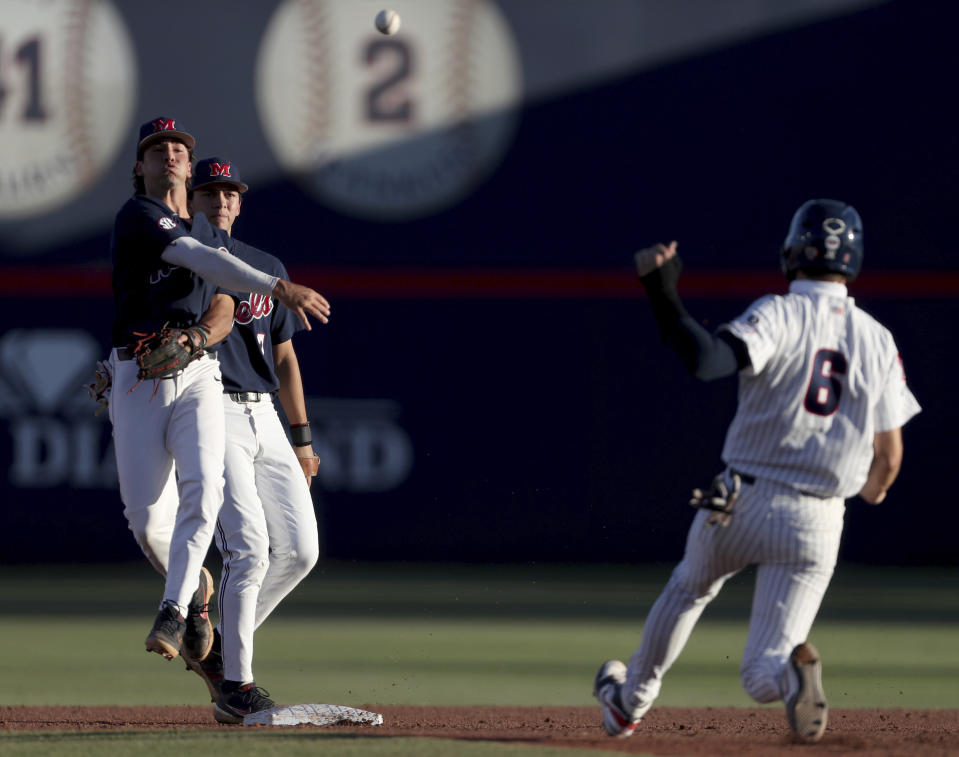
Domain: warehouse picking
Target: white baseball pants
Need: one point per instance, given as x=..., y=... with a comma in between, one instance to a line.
x=169, y=449
x=266, y=532
x=794, y=541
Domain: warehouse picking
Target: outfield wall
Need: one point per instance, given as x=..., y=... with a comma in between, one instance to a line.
x=491, y=386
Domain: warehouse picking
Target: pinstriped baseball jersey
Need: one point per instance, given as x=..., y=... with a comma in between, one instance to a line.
x=825, y=376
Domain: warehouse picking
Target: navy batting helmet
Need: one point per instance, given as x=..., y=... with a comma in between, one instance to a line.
x=825, y=236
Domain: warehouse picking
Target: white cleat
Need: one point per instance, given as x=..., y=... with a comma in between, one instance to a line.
x=806, y=706
x=607, y=688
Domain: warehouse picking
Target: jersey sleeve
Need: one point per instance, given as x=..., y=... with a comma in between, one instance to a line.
x=285, y=323
x=152, y=226
x=896, y=404
x=760, y=329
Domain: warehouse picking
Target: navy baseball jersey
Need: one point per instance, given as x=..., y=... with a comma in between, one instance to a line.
x=148, y=292
x=246, y=355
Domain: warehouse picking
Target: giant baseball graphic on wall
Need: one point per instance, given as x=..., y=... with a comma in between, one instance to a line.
x=67, y=86
x=388, y=127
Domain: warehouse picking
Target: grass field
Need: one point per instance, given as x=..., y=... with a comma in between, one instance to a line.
x=296, y=744
x=440, y=634
x=361, y=634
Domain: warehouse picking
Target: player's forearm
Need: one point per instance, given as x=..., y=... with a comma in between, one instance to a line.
x=668, y=309
x=886, y=462
x=218, y=266
x=291, y=383
x=294, y=405
x=881, y=476
x=218, y=318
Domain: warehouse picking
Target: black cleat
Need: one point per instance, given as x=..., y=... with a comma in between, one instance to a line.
x=167, y=634
x=210, y=669
x=198, y=637
x=237, y=700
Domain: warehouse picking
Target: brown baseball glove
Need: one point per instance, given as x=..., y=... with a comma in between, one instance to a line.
x=161, y=355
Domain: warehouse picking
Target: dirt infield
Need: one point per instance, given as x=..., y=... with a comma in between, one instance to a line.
x=738, y=732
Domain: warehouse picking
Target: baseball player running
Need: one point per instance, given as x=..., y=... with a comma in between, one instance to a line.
x=170, y=438
x=822, y=399
x=267, y=530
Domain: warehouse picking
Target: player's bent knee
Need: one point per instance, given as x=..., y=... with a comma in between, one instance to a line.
x=694, y=591
x=308, y=555
x=297, y=563
x=247, y=570
x=302, y=552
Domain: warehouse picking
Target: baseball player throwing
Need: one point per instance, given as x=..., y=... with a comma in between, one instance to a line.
x=822, y=399
x=267, y=530
x=170, y=437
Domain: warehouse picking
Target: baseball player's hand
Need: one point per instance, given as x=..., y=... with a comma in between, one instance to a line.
x=186, y=343
x=720, y=499
x=309, y=462
x=651, y=258
x=99, y=388
x=303, y=301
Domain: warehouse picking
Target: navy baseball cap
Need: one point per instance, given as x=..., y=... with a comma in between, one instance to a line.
x=217, y=171
x=163, y=128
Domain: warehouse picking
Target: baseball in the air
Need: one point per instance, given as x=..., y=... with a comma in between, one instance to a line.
x=388, y=22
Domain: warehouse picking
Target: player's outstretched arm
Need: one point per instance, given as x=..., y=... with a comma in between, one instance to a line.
x=294, y=405
x=705, y=355
x=219, y=267
x=886, y=462
x=302, y=301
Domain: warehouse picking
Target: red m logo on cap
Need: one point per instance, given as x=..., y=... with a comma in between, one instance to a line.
x=164, y=125
x=220, y=169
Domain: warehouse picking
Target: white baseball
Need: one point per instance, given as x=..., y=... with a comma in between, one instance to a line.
x=388, y=22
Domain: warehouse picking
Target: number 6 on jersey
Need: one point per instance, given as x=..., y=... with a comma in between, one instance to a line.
x=825, y=386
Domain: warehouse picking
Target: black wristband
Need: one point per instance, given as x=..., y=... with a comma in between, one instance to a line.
x=198, y=335
x=300, y=432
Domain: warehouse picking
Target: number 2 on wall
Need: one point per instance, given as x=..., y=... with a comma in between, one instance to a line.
x=386, y=100
x=825, y=385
